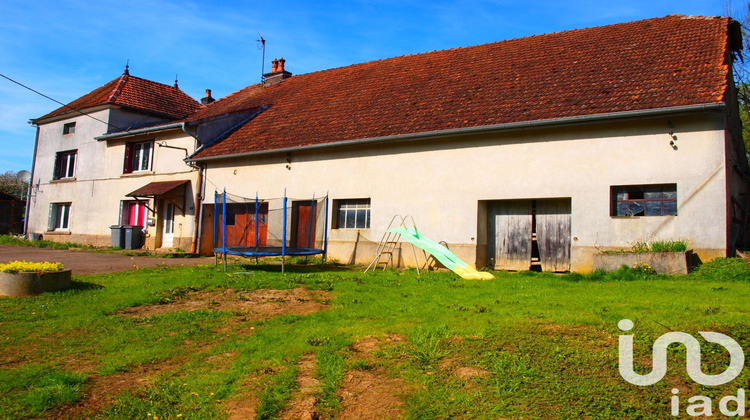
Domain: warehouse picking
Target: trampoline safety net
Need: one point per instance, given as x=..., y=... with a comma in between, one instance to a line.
x=259, y=227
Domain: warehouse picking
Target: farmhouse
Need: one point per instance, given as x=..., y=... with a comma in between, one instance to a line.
x=536, y=152
x=86, y=179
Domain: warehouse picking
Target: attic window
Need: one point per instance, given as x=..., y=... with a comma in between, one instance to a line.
x=69, y=128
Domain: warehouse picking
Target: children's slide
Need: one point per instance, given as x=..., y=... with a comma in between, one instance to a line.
x=442, y=254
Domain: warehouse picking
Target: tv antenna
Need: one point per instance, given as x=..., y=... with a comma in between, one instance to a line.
x=262, y=46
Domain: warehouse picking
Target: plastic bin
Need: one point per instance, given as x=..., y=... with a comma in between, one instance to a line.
x=133, y=237
x=118, y=237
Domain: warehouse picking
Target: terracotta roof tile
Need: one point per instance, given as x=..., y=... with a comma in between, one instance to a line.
x=649, y=64
x=135, y=93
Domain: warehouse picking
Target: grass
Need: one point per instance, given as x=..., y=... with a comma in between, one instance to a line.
x=544, y=346
x=640, y=247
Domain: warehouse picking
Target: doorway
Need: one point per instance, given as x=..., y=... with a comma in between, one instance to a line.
x=303, y=224
x=529, y=234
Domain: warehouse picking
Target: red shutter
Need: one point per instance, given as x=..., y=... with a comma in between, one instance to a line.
x=128, y=166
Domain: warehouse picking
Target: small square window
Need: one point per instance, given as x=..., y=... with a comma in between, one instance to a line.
x=69, y=128
x=352, y=214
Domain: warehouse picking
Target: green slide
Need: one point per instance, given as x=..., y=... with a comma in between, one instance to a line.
x=442, y=254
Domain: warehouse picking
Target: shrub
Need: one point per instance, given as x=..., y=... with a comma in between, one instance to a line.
x=724, y=269
x=26, y=266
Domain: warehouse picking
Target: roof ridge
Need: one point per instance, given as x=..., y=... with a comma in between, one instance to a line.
x=118, y=88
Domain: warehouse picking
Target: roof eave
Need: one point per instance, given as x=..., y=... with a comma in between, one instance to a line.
x=140, y=131
x=564, y=121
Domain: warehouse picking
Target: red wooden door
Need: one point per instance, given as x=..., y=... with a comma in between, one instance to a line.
x=303, y=224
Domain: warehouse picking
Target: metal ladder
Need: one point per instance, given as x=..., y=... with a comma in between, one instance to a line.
x=389, y=243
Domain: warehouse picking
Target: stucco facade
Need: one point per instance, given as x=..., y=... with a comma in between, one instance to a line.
x=99, y=187
x=87, y=164
x=445, y=184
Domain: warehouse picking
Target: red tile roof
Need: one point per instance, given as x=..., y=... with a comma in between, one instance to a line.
x=649, y=64
x=135, y=93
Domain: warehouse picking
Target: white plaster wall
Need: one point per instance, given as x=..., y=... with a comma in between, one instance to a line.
x=100, y=185
x=440, y=182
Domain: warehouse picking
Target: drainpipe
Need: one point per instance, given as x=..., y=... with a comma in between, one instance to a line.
x=198, y=190
x=31, y=184
x=198, y=213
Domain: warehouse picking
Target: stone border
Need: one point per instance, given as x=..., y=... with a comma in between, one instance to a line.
x=661, y=262
x=33, y=283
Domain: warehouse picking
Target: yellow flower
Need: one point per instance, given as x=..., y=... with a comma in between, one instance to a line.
x=26, y=266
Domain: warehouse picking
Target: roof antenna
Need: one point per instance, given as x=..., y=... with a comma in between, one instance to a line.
x=175, y=81
x=262, y=46
x=127, y=66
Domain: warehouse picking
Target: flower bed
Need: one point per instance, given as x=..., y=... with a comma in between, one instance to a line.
x=22, y=278
x=660, y=262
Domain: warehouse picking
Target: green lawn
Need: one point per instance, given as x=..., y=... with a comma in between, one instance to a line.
x=196, y=342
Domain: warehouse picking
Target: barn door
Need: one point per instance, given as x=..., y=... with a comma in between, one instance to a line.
x=553, y=234
x=512, y=234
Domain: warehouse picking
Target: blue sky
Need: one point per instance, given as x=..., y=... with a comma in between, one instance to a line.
x=65, y=49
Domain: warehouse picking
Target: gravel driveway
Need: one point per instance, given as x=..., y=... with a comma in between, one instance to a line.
x=82, y=262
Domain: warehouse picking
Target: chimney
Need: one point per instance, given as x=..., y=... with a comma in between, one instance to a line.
x=207, y=99
x=277, y=74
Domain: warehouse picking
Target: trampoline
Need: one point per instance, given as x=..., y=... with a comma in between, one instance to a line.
x=269, y=227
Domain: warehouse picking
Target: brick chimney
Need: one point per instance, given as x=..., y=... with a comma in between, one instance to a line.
x=207, y=99
x=277, y=74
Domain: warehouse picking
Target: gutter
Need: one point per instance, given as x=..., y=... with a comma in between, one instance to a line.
x=583, y=119
x=145, y=130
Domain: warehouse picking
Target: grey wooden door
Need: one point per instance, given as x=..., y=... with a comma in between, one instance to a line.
x=512, y=234
x=553, y=233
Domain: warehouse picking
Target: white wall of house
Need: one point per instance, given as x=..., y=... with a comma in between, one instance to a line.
x=99, y=185
x=441, y=182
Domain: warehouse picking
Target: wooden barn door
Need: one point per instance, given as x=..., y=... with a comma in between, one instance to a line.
x=303, y=224
x=510, y=232
x=553, y=234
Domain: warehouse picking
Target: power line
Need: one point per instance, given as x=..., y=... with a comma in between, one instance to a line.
x=64, y=105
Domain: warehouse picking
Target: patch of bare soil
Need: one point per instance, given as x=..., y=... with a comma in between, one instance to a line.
x=463, y=372
x=244, y=407
x=101, y=391
x=258, y=304
x=372, y=395
x=302, y=403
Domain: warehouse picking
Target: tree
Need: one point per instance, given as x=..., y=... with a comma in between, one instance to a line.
x=741, y=68
x=10, y=184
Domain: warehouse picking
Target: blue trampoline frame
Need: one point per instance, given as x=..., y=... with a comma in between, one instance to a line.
x=265, y=251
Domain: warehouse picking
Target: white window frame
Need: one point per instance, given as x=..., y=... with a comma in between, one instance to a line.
x=59, y=217
x=348, y=211
x=138, y=148
x=67, y=162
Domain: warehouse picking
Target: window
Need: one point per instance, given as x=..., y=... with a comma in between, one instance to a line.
x=59, y=216
x=69, y=128
x=138, y=157
x=352, y=214
x=644, y=200
x=133, y=213
x=65, y=164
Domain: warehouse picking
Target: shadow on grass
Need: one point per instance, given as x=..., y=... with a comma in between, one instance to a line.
x=82, y=285
x=289, y=268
